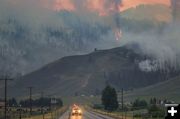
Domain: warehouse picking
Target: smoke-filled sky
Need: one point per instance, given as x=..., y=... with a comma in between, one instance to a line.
x=100, y=6
x=89, y=18
x=133, y=3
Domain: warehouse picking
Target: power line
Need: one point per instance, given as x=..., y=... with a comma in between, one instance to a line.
x=122, y=101
x=42, y=101
x=6, y=79
x=42, y=104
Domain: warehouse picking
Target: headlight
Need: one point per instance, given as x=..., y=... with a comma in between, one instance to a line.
x=79, y=111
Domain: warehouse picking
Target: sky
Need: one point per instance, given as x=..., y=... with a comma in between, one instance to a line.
x=33, y=14
x=133, y=3
x=101, y=7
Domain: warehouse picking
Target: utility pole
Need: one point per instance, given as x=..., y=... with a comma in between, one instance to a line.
x=30, y=100
x=20, y=112
x=42, y=99
x=6, y=79
x=122, y=101
x=42, y=104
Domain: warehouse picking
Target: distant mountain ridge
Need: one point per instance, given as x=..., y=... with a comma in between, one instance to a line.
x=88, y=74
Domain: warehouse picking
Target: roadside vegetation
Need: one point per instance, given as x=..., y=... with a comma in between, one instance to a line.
x=138, y=109
x=42, y=108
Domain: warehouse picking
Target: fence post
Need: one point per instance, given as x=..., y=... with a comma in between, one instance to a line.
x=125, y=114
x=133, y=115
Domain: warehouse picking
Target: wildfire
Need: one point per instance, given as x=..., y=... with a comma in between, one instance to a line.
x=118, y=34
x=133, y=3
x=96, y=5
x=64, y=5
x=106, y=8
x=103, y=7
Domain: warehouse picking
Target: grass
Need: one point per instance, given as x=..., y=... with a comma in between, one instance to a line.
x=116, y=115
x=50, y=115
x=81, y=100
x=169, y=89
x=127, y=115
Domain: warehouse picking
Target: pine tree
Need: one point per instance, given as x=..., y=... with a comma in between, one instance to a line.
x=109, y=99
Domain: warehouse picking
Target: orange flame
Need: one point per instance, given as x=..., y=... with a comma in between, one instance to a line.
x=133, y=3
x=118, y=34
x=64, y=5
x=104, y=7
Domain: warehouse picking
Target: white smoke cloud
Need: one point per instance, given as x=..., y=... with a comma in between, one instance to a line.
x=148, y=66
x=34, y=15
x=163, y=47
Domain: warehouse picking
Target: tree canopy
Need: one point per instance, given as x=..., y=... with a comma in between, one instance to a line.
x=109, y=98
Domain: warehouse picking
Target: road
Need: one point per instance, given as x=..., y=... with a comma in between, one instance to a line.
x=85, y=115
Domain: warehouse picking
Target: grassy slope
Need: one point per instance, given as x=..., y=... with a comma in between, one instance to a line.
x=81, y=100
x=166, y=90
x=82, y=74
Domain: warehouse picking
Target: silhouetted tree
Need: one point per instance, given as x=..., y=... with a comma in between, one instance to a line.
x=109, y=99
x=12, y=102
x=153, y=101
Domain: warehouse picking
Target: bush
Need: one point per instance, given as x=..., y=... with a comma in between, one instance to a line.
x=98, y=106
x=156, y=111
x=140, y=104
x=40, y=102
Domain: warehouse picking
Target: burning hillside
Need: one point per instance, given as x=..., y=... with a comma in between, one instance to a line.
x=103, y=7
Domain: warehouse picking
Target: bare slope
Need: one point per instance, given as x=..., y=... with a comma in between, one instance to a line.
x=88, y=74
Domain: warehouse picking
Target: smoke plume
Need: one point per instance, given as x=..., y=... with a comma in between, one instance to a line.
x=36, y=32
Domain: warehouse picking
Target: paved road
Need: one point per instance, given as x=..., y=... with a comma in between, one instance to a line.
x=85, y=115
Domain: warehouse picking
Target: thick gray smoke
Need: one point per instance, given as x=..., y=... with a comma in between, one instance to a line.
x=162, y=47
x=117, y=15
x=32, y=34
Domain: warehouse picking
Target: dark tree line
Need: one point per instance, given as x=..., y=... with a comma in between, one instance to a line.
x=140, y=104
x=12, y=102
x=36, y=103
